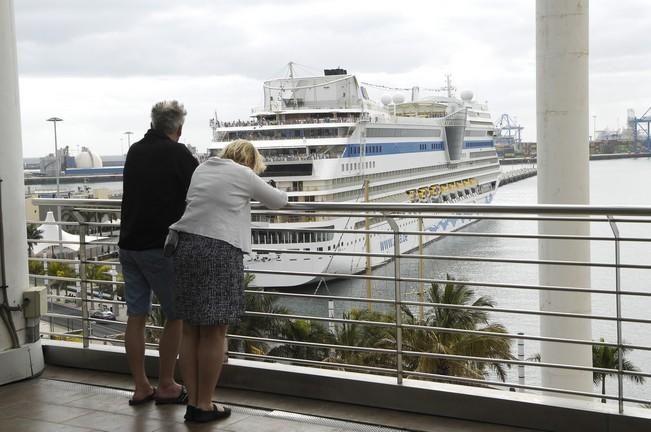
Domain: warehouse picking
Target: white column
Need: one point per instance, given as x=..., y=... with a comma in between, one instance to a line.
x=563, y=178
x=26, y=361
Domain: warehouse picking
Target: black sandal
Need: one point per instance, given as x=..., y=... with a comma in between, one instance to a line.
x=194, y=414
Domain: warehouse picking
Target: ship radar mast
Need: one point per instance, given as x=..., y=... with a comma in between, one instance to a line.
x=291, y=69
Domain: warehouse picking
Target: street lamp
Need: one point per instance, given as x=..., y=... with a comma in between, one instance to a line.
x=54, y=121
x=128, y=134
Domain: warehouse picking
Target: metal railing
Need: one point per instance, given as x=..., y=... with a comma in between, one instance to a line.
x=393, y=326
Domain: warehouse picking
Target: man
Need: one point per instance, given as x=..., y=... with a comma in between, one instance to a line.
x=157, y=175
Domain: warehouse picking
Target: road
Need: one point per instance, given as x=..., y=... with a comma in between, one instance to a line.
x=97, y=329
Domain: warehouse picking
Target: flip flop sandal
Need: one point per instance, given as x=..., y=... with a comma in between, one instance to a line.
x=150, y=397
x=181, y=399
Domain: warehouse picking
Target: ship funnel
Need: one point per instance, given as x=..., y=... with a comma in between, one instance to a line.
x=455, y=130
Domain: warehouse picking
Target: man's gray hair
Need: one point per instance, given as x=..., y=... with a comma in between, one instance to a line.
x=168, y=116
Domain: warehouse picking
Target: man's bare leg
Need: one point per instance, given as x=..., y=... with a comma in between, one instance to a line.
x=135, y=346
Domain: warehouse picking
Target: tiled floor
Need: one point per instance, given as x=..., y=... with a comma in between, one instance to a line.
x=67, y=400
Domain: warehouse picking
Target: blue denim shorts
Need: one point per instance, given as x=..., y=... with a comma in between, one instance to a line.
x=146, y=272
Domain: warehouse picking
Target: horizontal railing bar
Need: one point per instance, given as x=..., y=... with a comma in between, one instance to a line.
x=518, y=336
x=54, y=278
x=60, y=223
x=101, y=243
x=69, y=279
x=98, y=209
x=474, y=216
x=54, y=242
x=120, y=341
x=88, y=300
x=49, y=260
x=316, y=318
x=488, y=383
x=444, y=281
x=412, y=215
x=524, y=311
x=320, y=364
x=456, y=258
x=108, y=262
x=79, y=317
x=545, y=209
x=315, y=344
x=448, y=306
x=513, y=362
x=449, y=234
x=318, y=296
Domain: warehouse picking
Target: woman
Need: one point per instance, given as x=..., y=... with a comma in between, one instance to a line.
x=214, y=232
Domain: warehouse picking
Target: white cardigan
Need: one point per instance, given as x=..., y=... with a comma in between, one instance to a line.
x=219, y=202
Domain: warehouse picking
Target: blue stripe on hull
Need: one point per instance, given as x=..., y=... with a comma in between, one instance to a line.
x=380, y=149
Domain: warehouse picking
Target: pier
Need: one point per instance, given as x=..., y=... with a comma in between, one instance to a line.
x=516, y=175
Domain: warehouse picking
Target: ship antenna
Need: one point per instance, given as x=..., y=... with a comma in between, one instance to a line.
x=448, y=82
x=291, y=69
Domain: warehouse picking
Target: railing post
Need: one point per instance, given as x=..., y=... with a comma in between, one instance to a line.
x=521, y=379
x=85, y=322
x=421, y=271
x=398, y=296
x=618, y=301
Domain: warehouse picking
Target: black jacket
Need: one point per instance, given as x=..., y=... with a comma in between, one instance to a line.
x=156, y=179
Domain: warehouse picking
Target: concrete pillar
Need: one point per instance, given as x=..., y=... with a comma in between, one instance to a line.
x=563, y=178
x=28, y=360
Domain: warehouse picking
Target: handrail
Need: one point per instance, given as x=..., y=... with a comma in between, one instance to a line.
x=612, y=216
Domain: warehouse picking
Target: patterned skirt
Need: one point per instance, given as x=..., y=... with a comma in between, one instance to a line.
x=209, y=281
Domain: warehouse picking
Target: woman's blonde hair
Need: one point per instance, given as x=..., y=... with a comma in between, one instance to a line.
x=245, y=153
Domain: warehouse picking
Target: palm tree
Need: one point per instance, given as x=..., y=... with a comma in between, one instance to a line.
x=97, y=272
x=455, y=293
x=33, y=233
x=60, y=270
x=304, y=331
x=363, y=335
x=261, y=327
x=36, y=268
x=607, y=357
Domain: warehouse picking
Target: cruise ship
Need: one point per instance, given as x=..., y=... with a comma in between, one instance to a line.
x=325, y=140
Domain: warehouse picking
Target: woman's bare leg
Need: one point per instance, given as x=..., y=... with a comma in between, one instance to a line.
x=188, y=361
x=210, y=358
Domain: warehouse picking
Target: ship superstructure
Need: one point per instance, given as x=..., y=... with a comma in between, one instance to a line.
x=325, y=140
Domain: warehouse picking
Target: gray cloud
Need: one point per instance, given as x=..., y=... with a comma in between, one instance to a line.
x=215, y=53
x=122, y=38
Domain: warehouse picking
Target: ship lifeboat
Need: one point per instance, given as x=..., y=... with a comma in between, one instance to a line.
x=423, y=194
x=412, y=195
x=460, y=188
x=434, y=190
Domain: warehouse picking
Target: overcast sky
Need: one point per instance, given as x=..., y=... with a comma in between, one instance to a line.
x=101, y=65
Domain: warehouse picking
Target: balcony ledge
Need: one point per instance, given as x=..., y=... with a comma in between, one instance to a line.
x=416, y=397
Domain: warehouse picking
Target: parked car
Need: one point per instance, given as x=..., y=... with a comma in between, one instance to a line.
x=103, y=314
